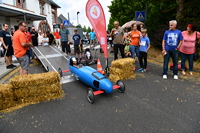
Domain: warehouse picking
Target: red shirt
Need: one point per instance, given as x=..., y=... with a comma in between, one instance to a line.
x=28, y=36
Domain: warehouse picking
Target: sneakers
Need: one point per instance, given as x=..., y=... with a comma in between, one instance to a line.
x=144, y=70
x=10, y=66
x=13, y=65
x=140, y=70
x=164, y=76
x=175, y=76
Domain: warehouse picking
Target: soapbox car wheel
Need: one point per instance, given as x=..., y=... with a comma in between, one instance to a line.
x=121, y=89
x=90, y=95
x=47, y=68
x=60, y=72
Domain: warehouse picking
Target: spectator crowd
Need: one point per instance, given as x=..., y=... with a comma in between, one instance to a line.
x=133, y=43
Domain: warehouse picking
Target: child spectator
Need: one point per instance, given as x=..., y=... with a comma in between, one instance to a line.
x=144, y=48
x=40, y=38
x=45, y=40
x=77, y=44
x=127, y=49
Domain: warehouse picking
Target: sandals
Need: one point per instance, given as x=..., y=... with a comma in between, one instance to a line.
x=183, y=73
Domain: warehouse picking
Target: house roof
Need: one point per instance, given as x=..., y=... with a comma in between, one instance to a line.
x=16, y=13
x=53, y=3
x=62, y=18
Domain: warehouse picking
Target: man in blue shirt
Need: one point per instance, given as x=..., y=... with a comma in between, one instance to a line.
x=172, y=40
x=65, y=39
x=92, y=38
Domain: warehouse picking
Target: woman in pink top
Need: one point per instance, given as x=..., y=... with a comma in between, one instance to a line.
x=188, y=47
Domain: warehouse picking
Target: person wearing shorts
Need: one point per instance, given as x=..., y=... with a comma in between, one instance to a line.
x=92, y=39
x=21, y=45
x=65, y=39
x=6, y=40
x=77, y=44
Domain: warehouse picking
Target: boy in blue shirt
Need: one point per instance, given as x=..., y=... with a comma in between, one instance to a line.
x=77, y=44
x=144, y=48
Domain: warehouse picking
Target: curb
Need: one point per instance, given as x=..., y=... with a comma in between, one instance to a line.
x=7, y=72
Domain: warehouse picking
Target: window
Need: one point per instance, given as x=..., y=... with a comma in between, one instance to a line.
x=20, y=3
x=41, y=8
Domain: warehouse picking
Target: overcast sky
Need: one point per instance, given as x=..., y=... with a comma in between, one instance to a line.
x=73, y=6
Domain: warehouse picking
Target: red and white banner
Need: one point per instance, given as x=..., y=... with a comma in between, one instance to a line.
x=96, y=16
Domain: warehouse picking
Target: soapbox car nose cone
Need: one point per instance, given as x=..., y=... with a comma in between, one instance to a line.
x=121, y=89
x=90, y=95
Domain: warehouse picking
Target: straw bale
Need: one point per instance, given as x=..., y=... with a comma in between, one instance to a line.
x=21, y=81
x=37, y=90
x=122, y=69
x=7, y=99
x=39, y=98
x=121, y=63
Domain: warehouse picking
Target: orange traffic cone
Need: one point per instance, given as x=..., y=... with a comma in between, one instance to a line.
x=99, y=67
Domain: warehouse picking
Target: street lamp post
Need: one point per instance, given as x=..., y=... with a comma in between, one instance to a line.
x=77, y=18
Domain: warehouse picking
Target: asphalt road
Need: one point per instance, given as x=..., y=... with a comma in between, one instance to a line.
x=149, y=105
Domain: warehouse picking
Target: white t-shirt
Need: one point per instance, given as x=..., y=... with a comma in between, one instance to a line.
x=40, y=37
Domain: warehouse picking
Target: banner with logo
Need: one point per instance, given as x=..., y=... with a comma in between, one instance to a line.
x=96, y=16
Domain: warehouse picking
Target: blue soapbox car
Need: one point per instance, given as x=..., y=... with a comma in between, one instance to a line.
x=98, y=82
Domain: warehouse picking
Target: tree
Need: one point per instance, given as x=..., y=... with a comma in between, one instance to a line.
x=160, y=12
x=89, y=29
x=84, y=29
x=78, y=26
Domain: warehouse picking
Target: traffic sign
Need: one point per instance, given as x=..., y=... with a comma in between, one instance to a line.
x=140, y=15
x=66, y=23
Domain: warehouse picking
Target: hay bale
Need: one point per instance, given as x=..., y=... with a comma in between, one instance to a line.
x=7, y=99
x=32, y=91
x=22, y=81
x=122, y=69
x=39, y=98
x=123, y=63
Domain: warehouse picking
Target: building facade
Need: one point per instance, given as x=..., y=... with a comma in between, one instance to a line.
x=42, y=14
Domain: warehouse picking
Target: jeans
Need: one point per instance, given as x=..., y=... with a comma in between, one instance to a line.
x=143, y=56
x=30, y=54
x=174, y=55
x=121, y=48
x=190, y=60
x=133, y=50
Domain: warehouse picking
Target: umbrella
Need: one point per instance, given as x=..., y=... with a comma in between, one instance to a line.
x=128, y=24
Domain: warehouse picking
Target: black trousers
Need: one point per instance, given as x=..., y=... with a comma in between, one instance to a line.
x=66, y=47
x=121, y=48
x=143, y=56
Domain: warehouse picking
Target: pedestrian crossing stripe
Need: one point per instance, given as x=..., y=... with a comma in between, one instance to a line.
x=140, y=16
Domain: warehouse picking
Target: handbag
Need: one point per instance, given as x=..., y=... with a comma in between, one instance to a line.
x=196, y=56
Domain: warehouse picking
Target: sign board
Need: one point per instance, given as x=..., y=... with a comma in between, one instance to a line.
x=56, y=26
x=66, y=23
x=140, y=15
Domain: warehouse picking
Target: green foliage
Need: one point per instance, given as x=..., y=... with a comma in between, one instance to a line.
x=89, y=29
x=78, y=26
x=159, y=13
x=84, y=29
